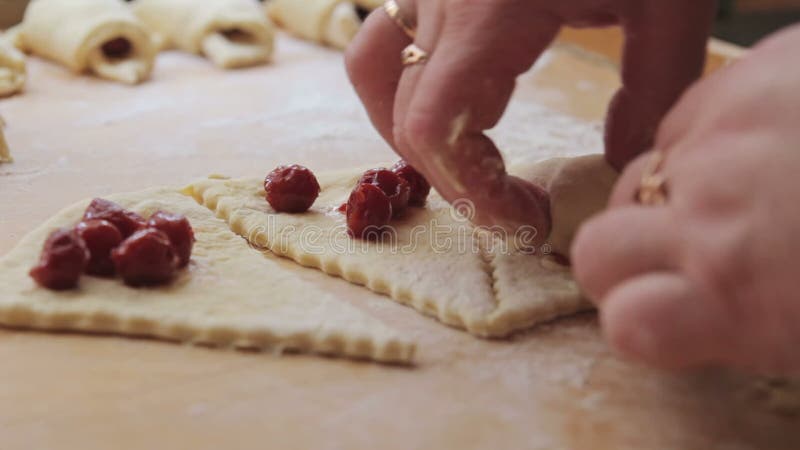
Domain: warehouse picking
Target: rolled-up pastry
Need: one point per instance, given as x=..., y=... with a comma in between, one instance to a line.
x=13, y=37
x=329, y=22
x=12, y=69
x=98, y=36
x=370, y=5
x=5, y=155
x=231, y=33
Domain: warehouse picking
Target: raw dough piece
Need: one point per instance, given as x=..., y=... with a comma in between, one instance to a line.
x=231, y=33
x=579, y=187
x=435, y=261
x=12, y=69
x=231, y=296
x=329, y=22
x=5, y=154
x=73, y=32
x=13, y=37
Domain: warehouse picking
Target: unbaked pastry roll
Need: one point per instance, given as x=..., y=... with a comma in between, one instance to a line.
x=329, y=22
x=98, y=36
x=231, y=33
x=12, y=69
x=370, y=5
x=5, y=155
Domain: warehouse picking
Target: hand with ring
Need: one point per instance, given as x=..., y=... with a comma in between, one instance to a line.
x=434, y=74
x=693, y=262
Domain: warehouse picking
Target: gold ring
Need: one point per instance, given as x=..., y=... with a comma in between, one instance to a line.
x=653, y=187
x=413, y=55
x=393, y=11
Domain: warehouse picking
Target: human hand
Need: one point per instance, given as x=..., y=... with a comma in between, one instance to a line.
x=434, y=114
x=711, y=276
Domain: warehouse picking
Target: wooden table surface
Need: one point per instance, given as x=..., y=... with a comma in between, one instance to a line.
x=555, y=387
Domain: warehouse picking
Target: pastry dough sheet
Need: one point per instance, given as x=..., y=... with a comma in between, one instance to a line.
x=434, y=260
x=230, y=296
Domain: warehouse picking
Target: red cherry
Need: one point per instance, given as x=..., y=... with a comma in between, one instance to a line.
x=396, y=188
x=368, y=209
x=101, y=236
x=291, y=189
x=146, y=258
x=420, y=188
x=178, y=230
x=64, y=258
x=127, y=222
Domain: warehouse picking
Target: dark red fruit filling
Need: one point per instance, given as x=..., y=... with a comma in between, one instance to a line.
x=117, y=48
x=420, y=188
x=291, y=189
x=127, y=222
x=395, y=187
x=100, y=236
x=368, y=210
x=178, y=230
x=145, y=258
x=63, y=260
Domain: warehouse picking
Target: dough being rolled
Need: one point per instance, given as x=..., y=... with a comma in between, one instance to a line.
x=98, y=36
x=231, y=33
x=12, y=70
x=328, y=22
x=433, y=258
x=579, y=188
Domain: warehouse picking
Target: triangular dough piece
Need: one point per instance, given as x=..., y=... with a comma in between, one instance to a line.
x=230, y=295
x=434, y=261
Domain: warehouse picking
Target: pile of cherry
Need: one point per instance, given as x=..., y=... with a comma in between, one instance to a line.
x=110, y=240
x=380, y=195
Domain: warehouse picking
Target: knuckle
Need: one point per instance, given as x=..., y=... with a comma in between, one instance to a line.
x=357, y=62
x=422, y=131
x=399, y=138
x=716, y=267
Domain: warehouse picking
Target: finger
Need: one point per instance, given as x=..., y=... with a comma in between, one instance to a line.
x=664, y=53
x=429, y=22
x=463, y=90
x=374, y=67
x=621, y=244
x=666, y=320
